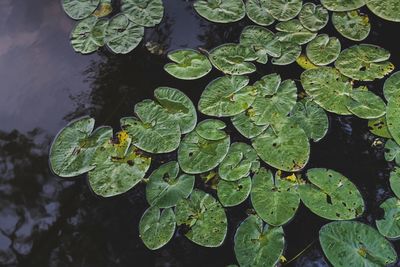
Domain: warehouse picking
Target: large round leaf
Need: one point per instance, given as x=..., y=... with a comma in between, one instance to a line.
x=211, y=129
x=204, y=217
x=156, y=229
x=147, y=13
x=122, y=35
x=257, y=12
x=258, y=245
x=88, y=35
x=388, y=9
x=222, y=11
x=294, y=32
x=389, y=225
x=268, y=85
x=283, y=10
x=289, y=53
x=244, y=123
x=355, y=244
x=331, y=195
x=275, y=200
x=364, y=62
x=342, y=5
x=395, y=181
x=323, y=50
x=232, y=193
x=313, y=17
x=72, y=150
x=392, y=151
x=352, y=24
x=392, y=86
x=393, y=117
x=366, y=105
x=165, y=188
x=188, y=64
x=379, y=127
x=79, y=9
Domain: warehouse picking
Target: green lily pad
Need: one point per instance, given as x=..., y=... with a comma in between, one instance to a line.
x=331, y=195
x=388, y=9
x=352, y=24
x=88, y=35
x=283, y=10
x=392, y=151
x=328, y=88
x=392, y=86
x=364, y=62
x=72, y=150
x=355, y=244
x=257, y=12
x=262, y=41
x=366, y=105
x=275, y=200
x=188, y=64
x=294, y=32
x=178, y=107
x=287, y=149
x=221, y=11
x=205, y=218
x=156, y=229
x=244, y=123
x=389, y=225
x=239, y=162
x=393, y=117
x=323, y=50
x=198, y=155
x=122, y=35
x=289, y=53
x=313, y=17
x=227, y=96
x=311, y=118
x=103, y=9
x=165, y=188
x=258, y=245
x=232, y=193
x=79, y=9
x=147, y=13
x=211, y=129
x=342, y=5
x=153, y=130
x=395, y=181
x=379, y=127
x=233, y=59
x=268, y=85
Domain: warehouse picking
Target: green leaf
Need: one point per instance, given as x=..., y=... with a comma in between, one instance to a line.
x=147, y=13
x=122, y=35
x=204, y=217
x=245, y=125
x=275, y=200
x=156, y=229
x=313, y=17
x=283, y=10
x=352, y=24
x=392, y=151
x=391, y=87
x=323, y=50
x=220, y=11
x=232, y=193
x=389, y=225
x=355, y=244
x=294, y=32
x=393, y=117
x=268, y=85
x=342, y=5
x=165, y=188
x=72, y=150
x=364, y=62
x=388, y=9
x=289, y=53
x=258, y=245
x=379, y=127
x=88, y=35
x=331, y=195
x=395, y=181
x=103, y=9
x=79, y=9
x=366, y=105
x=257, y=12
x=211, y=129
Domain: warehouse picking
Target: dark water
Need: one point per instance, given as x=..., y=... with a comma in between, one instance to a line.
x=47, y=221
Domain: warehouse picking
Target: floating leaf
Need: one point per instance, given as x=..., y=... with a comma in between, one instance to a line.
x=313, y=17
x=323, y=50
x=294, y=32
x=104, y=9
x=392, y=151
x=72, y=150
x=268, y=85
x=366, y=105
x=232, y=193
x=244, y=123
x=342, y=5
x=389, y=225
x=227, y=96
x=165, y=188
x=211, y=129
x=156, y=229
x=391, y=87
x=122, y=35
x=257, y=12
x=221, y=11
x=364, y=62
x=147, y=13
x=204, y=217
x=305, y=63
x=258, y=245
x=283, y=10
x=393, y=117
x=395, y=181
x=388, y=9
x=355, y=244
x=88, y=35
x=275, y=200
x=352, y=24
x=79, y=9
x=290, y=52
x=331, y=195
x=379, y=127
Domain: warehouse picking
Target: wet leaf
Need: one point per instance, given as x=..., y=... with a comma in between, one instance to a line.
x=313, y=17
x=352, y=24
x=104, y=9
x=268, y=85
x=257, y=12
x=366, y=105
x=221, y=11
x=211, y=129
x=392, y=151
x=290, y=52
x=342, y=5
x=389, y=225
x=79, y=9
x=283, y=10
x=391, y=87
x=232, y=193
x=88, y=35
x=323, y=50
x=395, y=181
x=294, y=32
x=245, y=125
x=305, y=63
x=393, y=117
x=147, y=13
x=379, y=127
x=388, y=9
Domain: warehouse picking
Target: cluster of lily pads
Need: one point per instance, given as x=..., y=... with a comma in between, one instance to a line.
x=121, y=33
x=278, y=121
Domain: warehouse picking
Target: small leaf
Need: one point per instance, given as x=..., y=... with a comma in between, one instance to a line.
x=323, y=50
x=220, y=11
x=147, y=13
x=352, y=24
x=389, y=225
x=232, y=193
x=257, y=12
x=313, y=17
x=79, y=9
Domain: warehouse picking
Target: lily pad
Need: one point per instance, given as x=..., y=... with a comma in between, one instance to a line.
x=204, y=217
x=73, y=149
x=88, y=35
x=392, y=86
x=233, y=59
x=257, y=12
x=283, y=10
x=147, y=13
x=122, y=35
x=331, y=195
x=258, y=245
x=289, y=53
x=313, y=17
x=388, y=9
x=305, y=63
x=352, y=24
x=392, y=151
x=379, y=127
x=275, y=200
x=227, y=96
x=395, y=181
x=103, y=9
x=342, y=5
x=220, y=11
x=366, y=105
x=393, y=117
x=211, y=129
x=165, y=188
x=355, y=244
x=244, y=123
x=323, y=50
x=79, y=9
x=364, y=62
x=268, y=85
x=156, y=229
x=389, y=225
x=294, y=32
x=232, y=193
